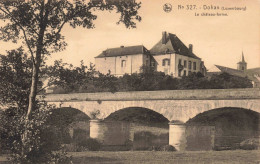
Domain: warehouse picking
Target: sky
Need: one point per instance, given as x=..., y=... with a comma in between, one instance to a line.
x=216, y=39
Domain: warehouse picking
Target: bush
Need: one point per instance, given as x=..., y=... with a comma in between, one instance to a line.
x=168, y=148
x=89, y=144
x=40, y=144
x=162, y=148
x=250, y=144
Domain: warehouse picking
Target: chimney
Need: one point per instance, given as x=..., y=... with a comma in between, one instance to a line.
x=190, y=48
x=122, y=46
x=164, y=37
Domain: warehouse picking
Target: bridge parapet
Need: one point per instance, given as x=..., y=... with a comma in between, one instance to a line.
x=202, y=94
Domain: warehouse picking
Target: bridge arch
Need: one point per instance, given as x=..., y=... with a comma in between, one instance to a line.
x=182, y=110
x=233, y=114
x=232, y=126
x=67, y=115
x=138, y=115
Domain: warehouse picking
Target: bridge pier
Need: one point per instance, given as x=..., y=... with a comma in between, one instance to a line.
x=177, y=135
x=96, y=130
x=110, y=133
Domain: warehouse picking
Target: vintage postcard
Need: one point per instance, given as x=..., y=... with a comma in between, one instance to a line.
x=130, y=81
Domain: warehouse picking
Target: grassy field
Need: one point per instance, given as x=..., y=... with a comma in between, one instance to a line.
x=154, y=157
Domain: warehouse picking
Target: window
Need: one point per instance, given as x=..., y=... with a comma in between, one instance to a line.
x=179, y=73
x=179, y=61
x=123, y=63
x=189, y=73
x=185, y=64
x=165, y=62
x=194, y=66
x=189, y=64
x=184, y=73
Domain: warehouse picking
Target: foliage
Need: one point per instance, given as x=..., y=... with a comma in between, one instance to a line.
x=225, y=81
x=43, y=139
x=41, y=142
x=94, y=114
x=38, y=24
x=250, y=144
x=90, y=144
x=87, y=79
x=15, y=73
x=168, y=148
x=83, y=144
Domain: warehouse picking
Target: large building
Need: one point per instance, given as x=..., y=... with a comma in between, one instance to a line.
x=169, y=55
x=123, y=60
x=252, y=74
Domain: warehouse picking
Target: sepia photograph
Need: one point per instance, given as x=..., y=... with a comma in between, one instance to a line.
x=129, y=81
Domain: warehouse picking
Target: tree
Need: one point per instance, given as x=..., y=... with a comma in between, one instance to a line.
x=38, y=23
x=68, y=78
x=15, y=73
x=225, y=81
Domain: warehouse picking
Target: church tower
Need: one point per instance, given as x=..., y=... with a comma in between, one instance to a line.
x=242, y=65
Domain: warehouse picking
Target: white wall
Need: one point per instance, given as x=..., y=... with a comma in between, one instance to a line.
x=114, y=64
x=103, y=65
x=161, y=68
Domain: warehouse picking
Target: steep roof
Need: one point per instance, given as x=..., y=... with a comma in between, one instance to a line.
x=253, y=74
x=173, y=45
x=250, y=73
x=121, y=51
x=231, y=71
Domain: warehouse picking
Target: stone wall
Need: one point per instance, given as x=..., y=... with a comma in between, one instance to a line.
x=171, y=109
x=174, y=105
x=200, y=94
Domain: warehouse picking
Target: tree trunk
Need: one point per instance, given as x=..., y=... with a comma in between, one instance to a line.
x=33, y=90
x=35, y=74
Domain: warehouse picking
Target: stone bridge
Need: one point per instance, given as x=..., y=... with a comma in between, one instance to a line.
x=173, y=104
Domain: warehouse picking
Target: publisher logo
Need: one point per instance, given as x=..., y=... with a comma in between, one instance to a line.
x=167, y=7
